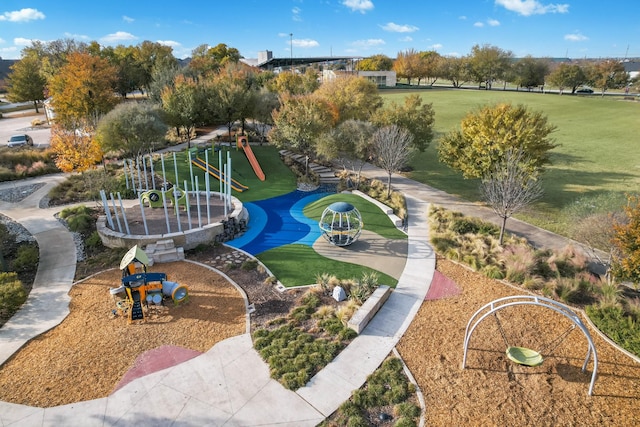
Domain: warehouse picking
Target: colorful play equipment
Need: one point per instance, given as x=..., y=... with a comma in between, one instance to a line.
x=341, y=223
x=140, y=287
x=243, y=142
x=156, y=198
x=215, y=172
x=523, y=355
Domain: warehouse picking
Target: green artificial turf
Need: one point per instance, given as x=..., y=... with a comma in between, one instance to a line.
x=597, y=150
x=298, y=265
x=279, y=178
x=373, y=218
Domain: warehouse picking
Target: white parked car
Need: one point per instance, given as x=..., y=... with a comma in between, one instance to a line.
x=19, y=140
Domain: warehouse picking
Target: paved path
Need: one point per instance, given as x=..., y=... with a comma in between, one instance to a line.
x=230, y=384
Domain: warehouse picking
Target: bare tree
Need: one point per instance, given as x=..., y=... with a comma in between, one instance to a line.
x=510, y=186
x=393, y=149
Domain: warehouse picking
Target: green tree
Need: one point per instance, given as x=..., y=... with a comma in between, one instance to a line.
x=567, y=76
x=392, y=146
x=626, y=240
x=412, y=115
x=375, y=63
x=25, y=82
x=235, y=94
x=151, y=56
x=207, y=60
x=130, y=74
x=488, y=133
x=431, y=64
x=163, y=77
x=350, y=143
x=353, y=97
x=131, y=128
x=455, y=69
x=488, y=63
x=530, y=72
x=266, y=102
x=53, y=55
x=300, y=121
x=82, y=91
x=295, y=84
x=608, y=74
x=185, y=105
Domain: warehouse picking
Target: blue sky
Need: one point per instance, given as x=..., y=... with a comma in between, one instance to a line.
x=577, y=28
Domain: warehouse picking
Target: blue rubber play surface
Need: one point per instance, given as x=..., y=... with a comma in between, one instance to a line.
x=279, y=221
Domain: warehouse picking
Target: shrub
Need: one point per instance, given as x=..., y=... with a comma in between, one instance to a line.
x=26, y=258
x=407, y=409
x=464, y=226
x=12, y=294
x=621, y=328
x=249, y=265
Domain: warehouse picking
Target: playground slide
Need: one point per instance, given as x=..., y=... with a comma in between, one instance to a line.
x=252, y=160
x=213, y=171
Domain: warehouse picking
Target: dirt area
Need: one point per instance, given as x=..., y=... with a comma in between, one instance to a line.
x=90, y=352
x=494, y=391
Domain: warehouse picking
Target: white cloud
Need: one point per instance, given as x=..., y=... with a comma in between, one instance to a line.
x=361, y=6
x=493, y=22
x=2, y=40
x=575, y=37
x=127, y=19
x=10, y=52
x=22, y=15
x=436, y=46
x=366, y=44
x=532, y=7
x=462, y=18
x=397, y=28
x=118, y=36
x=296, y=14
x=21, y=41
x=305, y=43
x=76, y=36
x=169, y=43
x=479, y=24
x=406, y=39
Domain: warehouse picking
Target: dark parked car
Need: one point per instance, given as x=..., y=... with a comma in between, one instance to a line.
x=584, y=90
x=20, y=140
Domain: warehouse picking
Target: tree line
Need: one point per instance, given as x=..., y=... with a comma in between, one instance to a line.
x=486, y=65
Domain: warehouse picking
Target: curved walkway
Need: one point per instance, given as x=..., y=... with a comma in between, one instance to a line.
x=227, y=386
x=230, y=384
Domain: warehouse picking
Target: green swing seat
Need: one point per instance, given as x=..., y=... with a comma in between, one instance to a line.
x=524, y=356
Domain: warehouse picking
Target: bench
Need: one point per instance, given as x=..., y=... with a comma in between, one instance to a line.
x=365, y=313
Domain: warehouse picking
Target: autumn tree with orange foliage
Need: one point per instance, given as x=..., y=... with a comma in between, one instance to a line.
x=74, y=151
x=626, y=240
x=83, y=91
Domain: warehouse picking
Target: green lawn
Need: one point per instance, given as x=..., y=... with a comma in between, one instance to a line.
x=373, y=218
x=279, y=178
x=297, y=265
x=597, y=151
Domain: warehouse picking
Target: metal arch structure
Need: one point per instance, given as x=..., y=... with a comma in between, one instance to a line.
x=499, y=304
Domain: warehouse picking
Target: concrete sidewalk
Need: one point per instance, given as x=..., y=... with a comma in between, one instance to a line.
x=230, y=384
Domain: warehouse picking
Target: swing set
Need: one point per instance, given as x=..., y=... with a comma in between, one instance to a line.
x=526, y=356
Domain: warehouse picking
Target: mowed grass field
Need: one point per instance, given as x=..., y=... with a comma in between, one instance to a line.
x=598, y=147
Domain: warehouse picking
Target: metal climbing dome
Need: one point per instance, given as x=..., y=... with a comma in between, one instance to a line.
x=341, y=223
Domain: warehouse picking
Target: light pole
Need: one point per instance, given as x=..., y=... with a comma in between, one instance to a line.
x=291, y=49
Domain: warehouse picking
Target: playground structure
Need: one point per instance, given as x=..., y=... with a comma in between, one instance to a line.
x=525, y=356
x=341, y=223
x=140, y=287
x=242, y=142
x=168, y=211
